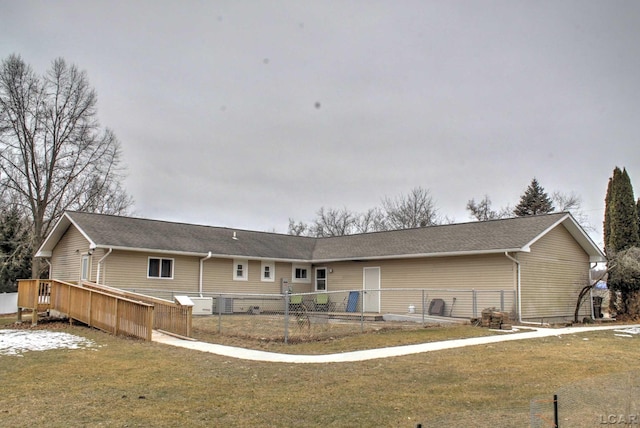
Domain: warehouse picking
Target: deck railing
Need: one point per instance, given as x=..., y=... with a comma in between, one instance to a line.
x=109, y=312
x=168, y=316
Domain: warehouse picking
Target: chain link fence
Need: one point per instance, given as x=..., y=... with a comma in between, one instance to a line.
x=319, y=315
x=611, y=400
x=600, y=401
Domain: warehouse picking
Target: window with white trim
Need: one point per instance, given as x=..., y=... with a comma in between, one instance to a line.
x=300, y=273
x=84, y=271
x=240, y=270
x=268, y=270
x=160, y=268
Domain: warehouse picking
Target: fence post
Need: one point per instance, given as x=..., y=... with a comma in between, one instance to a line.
x=362, y=293
x=474, y=300
x=286, y=317
x=555, y=410
x=501, y=300
x=219, y=304
x=423, y=307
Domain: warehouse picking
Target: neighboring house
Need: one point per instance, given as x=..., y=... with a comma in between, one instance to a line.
x=542, y=260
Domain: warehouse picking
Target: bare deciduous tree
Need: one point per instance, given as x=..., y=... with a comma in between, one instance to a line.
x=54, y=155
x=624, y=281
x=482, y=210
x=572, y=203
x=298, y=229
x=334, y=222
x=415, y=209
x=372, y=220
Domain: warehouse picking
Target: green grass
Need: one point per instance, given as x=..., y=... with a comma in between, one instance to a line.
x=132, y=383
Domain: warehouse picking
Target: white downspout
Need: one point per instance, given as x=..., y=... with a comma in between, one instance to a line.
x=519, y=290
x=201, y=269
x=50, y=268
x=100, y=264
x=519, y=300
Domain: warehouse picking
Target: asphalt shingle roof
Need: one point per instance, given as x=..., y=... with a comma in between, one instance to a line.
x=137, y=233
x=475, y=237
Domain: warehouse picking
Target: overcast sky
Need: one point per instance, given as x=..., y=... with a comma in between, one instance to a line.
x=247, y=113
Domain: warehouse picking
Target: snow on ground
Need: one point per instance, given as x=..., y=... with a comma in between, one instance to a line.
x=629, y=330
x=16, y=342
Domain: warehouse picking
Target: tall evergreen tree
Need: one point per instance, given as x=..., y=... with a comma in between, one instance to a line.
x=621, y=235
x=623, y=214
x=534, y=201
x=15, y=251
x=638, y=213
x=607, y=203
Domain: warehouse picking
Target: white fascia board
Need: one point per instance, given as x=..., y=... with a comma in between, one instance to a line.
x=425, y=255
x=55, y=231
x=92, y=244
x=547, y=230
x=46, y=249
x=582, y=238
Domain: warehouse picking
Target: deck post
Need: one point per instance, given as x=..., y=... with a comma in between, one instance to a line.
x=117, y=318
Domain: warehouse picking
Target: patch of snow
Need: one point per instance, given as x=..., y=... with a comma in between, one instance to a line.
x=622, y=335
x=630, y=330
x=16, y=342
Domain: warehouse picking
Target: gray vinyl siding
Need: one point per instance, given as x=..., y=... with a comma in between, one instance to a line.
x=66, y=257
x=444, y=277
x=552, y=275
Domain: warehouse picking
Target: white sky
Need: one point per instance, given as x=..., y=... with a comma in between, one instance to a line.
x=246, y=113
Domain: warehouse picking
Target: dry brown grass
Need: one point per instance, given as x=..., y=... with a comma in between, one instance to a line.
x=134, y=383
x=258, y=333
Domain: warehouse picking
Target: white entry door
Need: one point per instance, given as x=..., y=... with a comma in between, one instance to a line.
x=371, y=288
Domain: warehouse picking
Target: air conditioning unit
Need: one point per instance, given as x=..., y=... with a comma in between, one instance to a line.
x=224, y=305
x=202, y=305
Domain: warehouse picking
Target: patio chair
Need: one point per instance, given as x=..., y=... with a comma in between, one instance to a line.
x=321, y=302
x=295, y=303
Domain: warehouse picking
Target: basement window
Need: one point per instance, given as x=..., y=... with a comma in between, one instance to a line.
x=160, y=268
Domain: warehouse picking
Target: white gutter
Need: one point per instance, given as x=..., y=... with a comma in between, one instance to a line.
x=100, y=264
x=201, y=269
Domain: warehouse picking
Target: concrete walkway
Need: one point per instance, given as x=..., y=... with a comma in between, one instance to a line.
x=371, y=354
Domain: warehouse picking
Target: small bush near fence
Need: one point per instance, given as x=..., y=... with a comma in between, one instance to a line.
x=313, y=316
